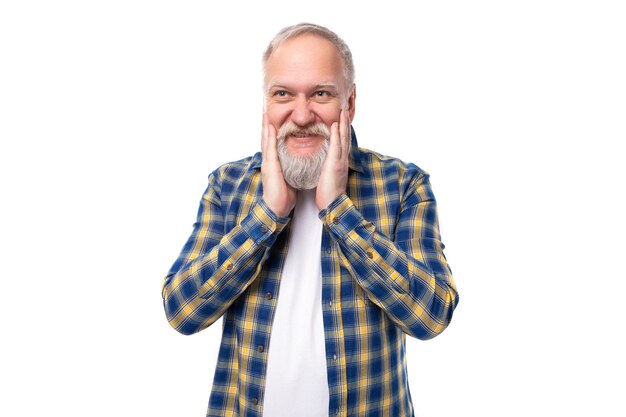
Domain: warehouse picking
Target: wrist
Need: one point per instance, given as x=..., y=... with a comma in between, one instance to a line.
x=276, y=208
x=328, y=200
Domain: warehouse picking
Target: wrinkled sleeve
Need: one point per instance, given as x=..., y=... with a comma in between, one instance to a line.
x=408, y=277
x=217, y=265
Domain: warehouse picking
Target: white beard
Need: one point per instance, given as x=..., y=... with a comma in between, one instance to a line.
x=302, y=172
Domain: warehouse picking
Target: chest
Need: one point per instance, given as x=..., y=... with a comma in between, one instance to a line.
x=376, y=197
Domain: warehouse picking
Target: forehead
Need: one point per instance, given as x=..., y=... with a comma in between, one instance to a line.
x=304, y=59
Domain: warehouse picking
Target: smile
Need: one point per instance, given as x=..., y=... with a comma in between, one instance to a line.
x=305, y=141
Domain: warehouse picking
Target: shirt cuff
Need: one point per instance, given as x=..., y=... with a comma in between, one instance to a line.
x=262, y=224
x=341, y=217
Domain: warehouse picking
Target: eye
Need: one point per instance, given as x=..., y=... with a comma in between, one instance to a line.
x=280, y=93
x=322, y=93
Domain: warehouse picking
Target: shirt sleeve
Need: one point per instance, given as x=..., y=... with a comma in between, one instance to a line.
x=216, y=266
x=407, y=277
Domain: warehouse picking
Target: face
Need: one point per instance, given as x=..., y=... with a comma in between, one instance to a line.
x=305, y=93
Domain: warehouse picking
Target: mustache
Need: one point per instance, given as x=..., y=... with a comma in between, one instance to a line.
x=289, y=128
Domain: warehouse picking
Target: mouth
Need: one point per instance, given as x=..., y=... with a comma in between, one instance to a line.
x=302, y=141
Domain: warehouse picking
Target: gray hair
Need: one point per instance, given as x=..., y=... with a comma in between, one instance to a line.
x=301, y=28
x=302, y=172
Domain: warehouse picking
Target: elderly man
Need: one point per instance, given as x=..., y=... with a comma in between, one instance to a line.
x=319, y=255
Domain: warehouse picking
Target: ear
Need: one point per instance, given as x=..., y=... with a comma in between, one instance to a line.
x=352, y=102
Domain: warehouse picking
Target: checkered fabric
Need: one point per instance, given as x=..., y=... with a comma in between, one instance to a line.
x=384, y=275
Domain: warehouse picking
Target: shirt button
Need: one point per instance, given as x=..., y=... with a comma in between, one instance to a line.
x=337, y=410
x=260, y=348
x=335, y=220
x=334, y=356
x=328, y=250
x=269, y=295
x=255, y=401
x=229, y=267
x=330, y=303
x=370, y=255
x=264, y=229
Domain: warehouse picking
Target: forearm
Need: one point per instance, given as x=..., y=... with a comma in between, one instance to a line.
x=197, y=294
x=409, y=279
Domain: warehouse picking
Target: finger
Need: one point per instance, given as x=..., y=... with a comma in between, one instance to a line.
x=334, y=148
x=264, y=132
x=272, y=147
x=344, y=133
x=348, y=134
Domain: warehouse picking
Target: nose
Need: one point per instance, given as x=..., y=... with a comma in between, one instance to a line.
x=302, y=113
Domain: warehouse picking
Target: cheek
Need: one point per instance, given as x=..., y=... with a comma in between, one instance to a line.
x=277, y=115
x=328, y=114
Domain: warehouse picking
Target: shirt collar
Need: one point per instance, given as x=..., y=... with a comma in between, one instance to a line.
x=354, y=162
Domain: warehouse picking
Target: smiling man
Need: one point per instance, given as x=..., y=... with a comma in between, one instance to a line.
x=320, y=255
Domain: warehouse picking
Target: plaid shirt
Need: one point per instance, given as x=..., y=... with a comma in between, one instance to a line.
x=384, y=275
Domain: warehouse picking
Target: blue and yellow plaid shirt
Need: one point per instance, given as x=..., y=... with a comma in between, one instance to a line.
x=384, y=275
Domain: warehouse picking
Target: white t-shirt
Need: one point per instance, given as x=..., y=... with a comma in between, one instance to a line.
x=296, y=379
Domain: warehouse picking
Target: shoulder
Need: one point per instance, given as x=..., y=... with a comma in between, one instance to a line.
x=395, y=176
x=236, y=170
x=377, y=164
x=228, y=178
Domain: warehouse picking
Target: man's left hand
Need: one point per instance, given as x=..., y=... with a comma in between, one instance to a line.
x=334, y=176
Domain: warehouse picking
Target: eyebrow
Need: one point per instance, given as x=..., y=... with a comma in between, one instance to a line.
x=326, y=85
x=316, y=87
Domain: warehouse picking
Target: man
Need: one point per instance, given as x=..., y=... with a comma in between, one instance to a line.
x=319, y=255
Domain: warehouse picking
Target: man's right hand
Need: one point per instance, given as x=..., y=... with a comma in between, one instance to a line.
x=277, y=194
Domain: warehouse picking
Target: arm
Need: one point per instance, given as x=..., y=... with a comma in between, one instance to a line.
x=409, y=277
x=214, y=267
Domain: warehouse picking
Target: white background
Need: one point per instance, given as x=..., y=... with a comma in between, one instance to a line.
x=112, y=114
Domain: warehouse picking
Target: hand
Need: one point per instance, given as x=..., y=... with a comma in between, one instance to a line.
x=334, y=176
x=278, y=195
